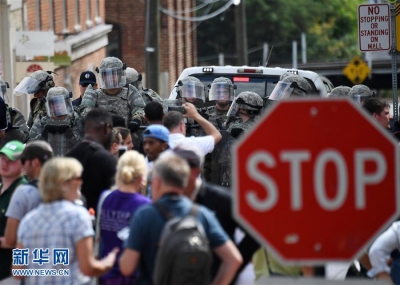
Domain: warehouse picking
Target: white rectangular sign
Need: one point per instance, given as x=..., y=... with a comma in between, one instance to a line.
x=29, y=43
x=374, y=27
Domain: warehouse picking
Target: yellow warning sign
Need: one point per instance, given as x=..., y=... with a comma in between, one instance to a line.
x=357, y=70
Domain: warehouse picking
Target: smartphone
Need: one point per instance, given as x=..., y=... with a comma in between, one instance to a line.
x=179, y=109
x=122, y=149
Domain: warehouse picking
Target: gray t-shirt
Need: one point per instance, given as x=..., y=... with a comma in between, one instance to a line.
x=25, y=198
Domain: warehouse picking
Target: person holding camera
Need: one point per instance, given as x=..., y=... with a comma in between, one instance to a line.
x=174, y=122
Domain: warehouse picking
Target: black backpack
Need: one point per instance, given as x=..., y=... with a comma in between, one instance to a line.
x=184, y=256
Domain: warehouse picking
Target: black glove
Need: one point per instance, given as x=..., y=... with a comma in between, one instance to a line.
x=134, y=125
x=236, y=132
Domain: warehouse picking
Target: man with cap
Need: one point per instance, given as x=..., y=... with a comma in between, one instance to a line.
x=26, y=197
x=155, y=141
x=86, y=78
x=217, y=199
x=11, y=176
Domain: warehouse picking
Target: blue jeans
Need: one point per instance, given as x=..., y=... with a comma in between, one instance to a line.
x=395, y=271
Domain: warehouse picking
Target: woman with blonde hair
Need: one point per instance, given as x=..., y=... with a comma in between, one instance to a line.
x=58, y=233
x=116, y=209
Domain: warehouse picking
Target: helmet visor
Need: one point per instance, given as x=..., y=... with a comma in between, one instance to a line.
x=221, y=91
x=27, y=86
x=112, y=78
x=3, y=90
x=192, y=90
x=233, y=109
x=281, y=91
x=56, y=106
x=360, y=98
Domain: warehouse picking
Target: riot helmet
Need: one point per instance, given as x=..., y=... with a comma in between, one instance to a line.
x=222, y=90
x=191, y=89
x=58, y=102
x=249, y=101
x=359, y=93
x=111, y=73
x=3, y=88
x=37, y=81
x=133, y=78
x=340, y=91
x=291, y=85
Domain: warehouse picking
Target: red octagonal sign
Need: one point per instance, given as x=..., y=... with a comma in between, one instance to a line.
x=316, y=180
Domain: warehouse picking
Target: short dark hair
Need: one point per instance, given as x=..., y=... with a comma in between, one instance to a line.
x=154, y=111
x=98, y=116
x=124, y=132
x=172, y=120
x=375, y=105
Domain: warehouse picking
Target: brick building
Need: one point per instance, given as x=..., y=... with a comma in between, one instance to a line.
x=127, y=39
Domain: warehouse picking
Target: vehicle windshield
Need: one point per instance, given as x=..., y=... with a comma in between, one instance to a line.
x=262, y=85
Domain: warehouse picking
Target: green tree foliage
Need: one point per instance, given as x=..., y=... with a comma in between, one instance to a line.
x=330, y=27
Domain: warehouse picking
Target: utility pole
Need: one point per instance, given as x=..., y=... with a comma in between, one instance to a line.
x=241, y=33
x=152, y=44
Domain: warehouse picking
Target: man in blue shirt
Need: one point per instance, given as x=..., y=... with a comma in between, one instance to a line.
x=170, y=177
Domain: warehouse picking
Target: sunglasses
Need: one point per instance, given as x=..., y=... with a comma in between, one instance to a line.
x=87, y=84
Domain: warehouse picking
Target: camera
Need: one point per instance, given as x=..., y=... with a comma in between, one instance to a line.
x=121, y=150
x=179, y=109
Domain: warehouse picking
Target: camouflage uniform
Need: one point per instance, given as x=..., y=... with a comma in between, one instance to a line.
x=61, y=133
x=17, y=128
x=150, y=95
x=127, y=103
x=37, y=106
x=340, y=91
x=222, y=157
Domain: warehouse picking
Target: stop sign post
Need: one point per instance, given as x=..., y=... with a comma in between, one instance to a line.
x=316, y=180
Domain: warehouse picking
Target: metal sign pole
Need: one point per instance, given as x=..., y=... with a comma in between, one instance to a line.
x=394, y=61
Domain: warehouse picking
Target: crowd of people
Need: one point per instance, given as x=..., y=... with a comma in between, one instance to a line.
x=115, y=173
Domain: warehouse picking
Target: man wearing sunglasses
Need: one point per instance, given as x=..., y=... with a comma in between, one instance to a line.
x=86, y=78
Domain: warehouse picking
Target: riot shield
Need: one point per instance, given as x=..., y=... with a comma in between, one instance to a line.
x=221, y=161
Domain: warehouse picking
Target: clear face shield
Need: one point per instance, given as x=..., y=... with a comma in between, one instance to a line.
x=233, y=110
x=191, y=90
x=360, y=98
x=138, y=84
x=57, y=106
x=27, y=86
x=112, y=78
x=221, y=91
x=284, y=90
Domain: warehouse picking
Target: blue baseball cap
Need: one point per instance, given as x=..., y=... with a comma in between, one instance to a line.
x=87, y=77
x=158, y=132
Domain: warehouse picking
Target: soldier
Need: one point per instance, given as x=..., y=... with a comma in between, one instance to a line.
x=134, y=78
x=38, y=83
x=62, y=127
x=16, y=123
x=113, y=96
x=340, y=91
x=222, y=91
x=360, y=93
x=245, y=110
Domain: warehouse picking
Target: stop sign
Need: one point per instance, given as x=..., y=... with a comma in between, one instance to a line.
x=316, y=180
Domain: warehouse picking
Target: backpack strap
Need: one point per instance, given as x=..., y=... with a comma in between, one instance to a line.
x=167, y=214
x=194, y=210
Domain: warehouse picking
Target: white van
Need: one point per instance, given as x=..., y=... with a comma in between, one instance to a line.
x=261, y=80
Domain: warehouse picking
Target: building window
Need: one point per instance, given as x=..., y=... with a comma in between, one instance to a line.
x=38, y=26
x=89, y=22
x=65, y=17
x=97, y=19
x=77, y=25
